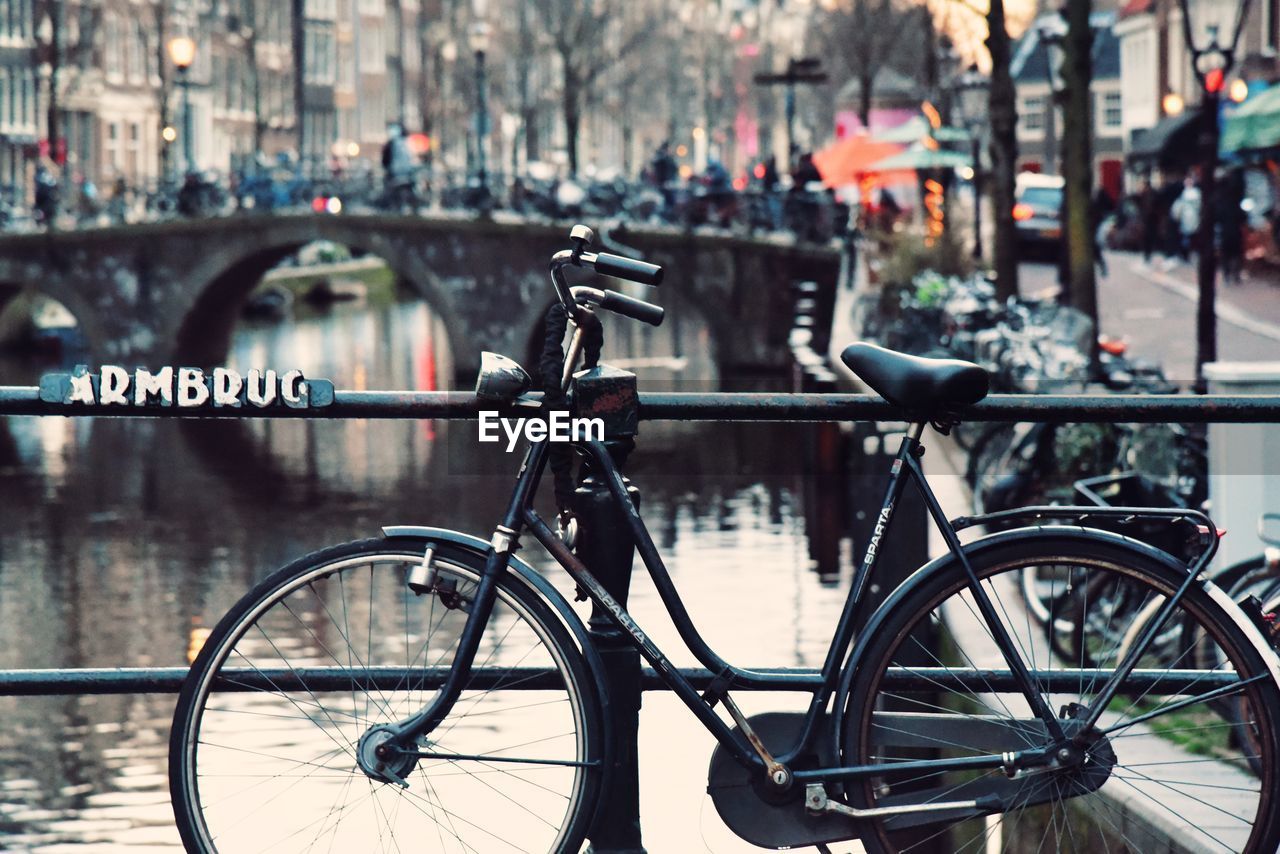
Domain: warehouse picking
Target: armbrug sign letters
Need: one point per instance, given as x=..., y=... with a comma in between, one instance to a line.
x=185, y=388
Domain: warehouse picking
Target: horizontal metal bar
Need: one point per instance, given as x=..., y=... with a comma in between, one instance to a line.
x=720, y=406
x=168, y=680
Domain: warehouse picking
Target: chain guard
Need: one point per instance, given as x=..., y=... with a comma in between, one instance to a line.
x=756, y=812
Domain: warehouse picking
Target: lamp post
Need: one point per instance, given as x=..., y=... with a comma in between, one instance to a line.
x=182, y=51
x=972, y=89
x=1212, y=63
x=806, y=70
x=479, y=38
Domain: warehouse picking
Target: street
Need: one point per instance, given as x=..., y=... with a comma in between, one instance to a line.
x=1155, y=311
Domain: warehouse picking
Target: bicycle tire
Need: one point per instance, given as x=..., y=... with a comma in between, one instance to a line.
x=895, y=643
x=257, y=768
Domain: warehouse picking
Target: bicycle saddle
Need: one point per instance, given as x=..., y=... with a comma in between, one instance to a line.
x=916, y=383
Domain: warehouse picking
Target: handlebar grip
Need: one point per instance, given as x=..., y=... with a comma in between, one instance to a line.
x=637, y=309
x=629, y=269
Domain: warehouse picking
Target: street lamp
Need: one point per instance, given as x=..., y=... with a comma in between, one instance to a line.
x=1212, y=63
x=972, y=89
x=479, y=39
x=182, y=51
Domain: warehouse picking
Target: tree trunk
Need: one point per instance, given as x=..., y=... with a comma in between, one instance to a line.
x=865, y=81
x=1077, y=162
x=255, y=81
x=524, y=73
x=162, y=96
x=1004, y=152
x=570, y=99
x=299, y=35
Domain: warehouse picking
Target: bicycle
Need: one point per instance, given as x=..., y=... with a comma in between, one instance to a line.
x=431, y=689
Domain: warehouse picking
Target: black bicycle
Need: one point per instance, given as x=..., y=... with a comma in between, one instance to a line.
x=430, y=690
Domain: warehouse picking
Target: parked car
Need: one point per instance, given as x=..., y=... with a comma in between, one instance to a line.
x=1037, y=215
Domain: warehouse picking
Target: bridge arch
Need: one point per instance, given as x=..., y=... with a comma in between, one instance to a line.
x=219, y=284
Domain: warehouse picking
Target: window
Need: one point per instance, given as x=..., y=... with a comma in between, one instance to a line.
x=324, y=10
x=135, y=64
x=320, y=49
x=373, y=54
x=1031, y=113
x=6, y=99
x=1112, y=111
x=29, y=99
x=113, y=145
x=112, y=46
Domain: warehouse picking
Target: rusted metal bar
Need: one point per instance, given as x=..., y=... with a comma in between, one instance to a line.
x=718, y=406
x=168, y=680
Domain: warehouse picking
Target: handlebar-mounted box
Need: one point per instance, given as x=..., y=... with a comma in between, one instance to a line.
x=608, y=393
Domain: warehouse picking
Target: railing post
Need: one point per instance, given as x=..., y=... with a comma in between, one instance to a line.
x=606, y=546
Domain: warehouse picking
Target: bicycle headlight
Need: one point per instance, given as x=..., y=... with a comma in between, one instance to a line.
x=501, y=378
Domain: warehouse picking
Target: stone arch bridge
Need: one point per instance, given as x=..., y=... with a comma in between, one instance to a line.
x=171, y=292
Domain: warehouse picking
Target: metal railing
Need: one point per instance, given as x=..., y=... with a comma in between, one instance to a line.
x=655, y=406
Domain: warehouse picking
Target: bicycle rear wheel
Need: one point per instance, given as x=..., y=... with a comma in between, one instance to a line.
x=269, y=725
x=1161, y=763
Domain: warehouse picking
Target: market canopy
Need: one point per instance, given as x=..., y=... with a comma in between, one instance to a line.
x=921, y=158
x=848, y=159
x=915, y=129
x=1256, y=124
x=1171, y=143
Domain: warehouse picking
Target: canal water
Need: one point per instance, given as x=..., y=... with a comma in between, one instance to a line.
x=123, y=539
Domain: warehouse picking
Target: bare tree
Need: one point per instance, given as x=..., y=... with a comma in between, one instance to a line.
x=247, y=25
x=587, y=38
x=860, y=37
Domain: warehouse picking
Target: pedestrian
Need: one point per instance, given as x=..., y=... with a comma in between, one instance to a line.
x=1186, y=214
x=769, y=182
x=663, y=172
x=1101, y=206
x=397, y=169
x=806, y=173
x=1231, y=222
x=46, y=196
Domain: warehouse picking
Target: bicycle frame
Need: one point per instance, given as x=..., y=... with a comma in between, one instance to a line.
x=520, y=515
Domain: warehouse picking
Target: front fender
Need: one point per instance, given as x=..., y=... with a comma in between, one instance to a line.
x=976, y=549
x=526, y=575
x=532, y=579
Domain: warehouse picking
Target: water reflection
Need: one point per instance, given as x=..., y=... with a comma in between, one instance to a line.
x=121, y=537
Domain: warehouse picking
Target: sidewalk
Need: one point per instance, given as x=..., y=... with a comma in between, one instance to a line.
x=1254, y=304
x=1155, y=311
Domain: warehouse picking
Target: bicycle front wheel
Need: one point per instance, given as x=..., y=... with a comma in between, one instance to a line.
x=1163, y=763
x=266, y=750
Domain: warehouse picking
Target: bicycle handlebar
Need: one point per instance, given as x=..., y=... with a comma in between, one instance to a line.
x=630, y=269
x=637, y=309
x=617, y=266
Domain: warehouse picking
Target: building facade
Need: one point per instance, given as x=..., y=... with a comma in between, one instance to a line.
x=1160, y=87
x=1037, y=84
